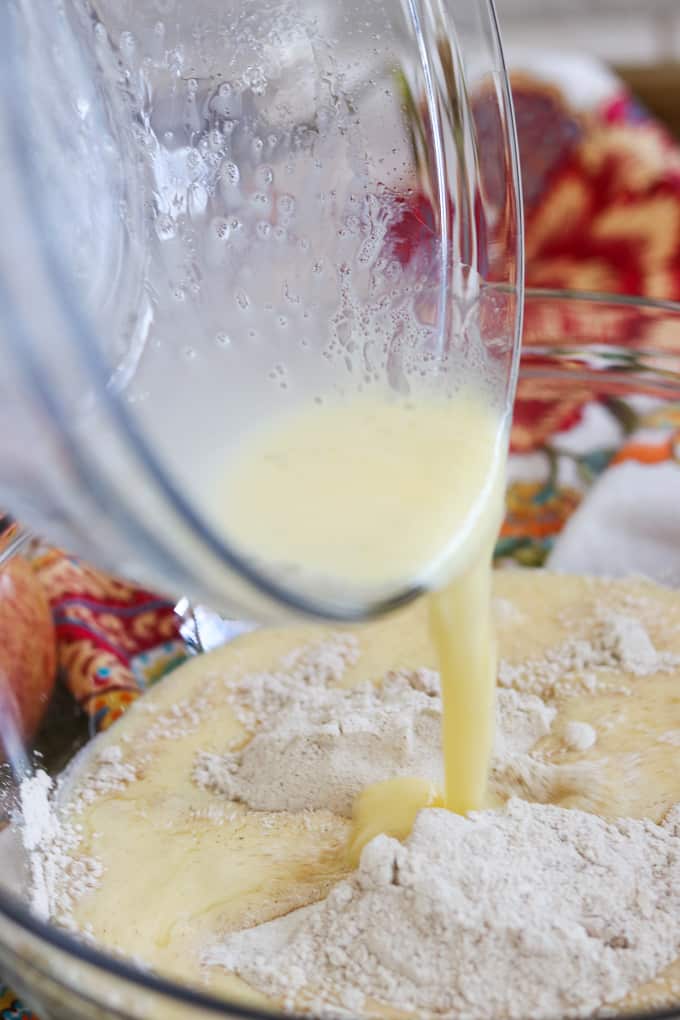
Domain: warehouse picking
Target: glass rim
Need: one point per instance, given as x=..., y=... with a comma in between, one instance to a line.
x=653, y=368
x=12, y=908
x=599, y=297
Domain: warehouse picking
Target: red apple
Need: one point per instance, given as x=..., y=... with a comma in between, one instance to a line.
x=27, y=656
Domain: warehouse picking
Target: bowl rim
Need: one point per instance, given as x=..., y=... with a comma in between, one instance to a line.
x=602, y=298
x=13, y=909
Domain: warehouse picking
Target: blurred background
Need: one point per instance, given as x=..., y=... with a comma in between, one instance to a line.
x=641, y=41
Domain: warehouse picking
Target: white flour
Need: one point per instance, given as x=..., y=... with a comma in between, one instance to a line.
x=318, y=746
x=108, y=773
x=258, y=698
x=60, y=872
x=59, y=875
x=615, y=642
x=533, y=911
x=579, y=736
x=181, y=719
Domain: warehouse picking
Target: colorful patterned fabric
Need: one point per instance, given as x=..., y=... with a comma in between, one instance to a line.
x=9, y=530
x=614, y=453
x=609, y=218
x=113, y=639
x=602, y=196
x=11, y=1008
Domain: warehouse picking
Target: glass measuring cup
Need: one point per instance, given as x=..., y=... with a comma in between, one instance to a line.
x=219, y=212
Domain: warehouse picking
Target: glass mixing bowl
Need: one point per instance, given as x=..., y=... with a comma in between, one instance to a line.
x=592, y=366
x=221, y=211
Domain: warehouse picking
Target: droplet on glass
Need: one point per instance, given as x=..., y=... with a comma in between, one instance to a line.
x=230, y=173
x=264, y=176
x=166, y=228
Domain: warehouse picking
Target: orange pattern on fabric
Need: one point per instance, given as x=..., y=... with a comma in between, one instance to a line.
x=84, y=662
x=107, y=708
x=544, y=407
x=610, y=218
x=114, y=638
x=666, y=417
x=534, y=510
x=60, y=572
x=646, y=453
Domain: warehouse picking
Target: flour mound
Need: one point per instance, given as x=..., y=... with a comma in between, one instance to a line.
x=613, y=642
x=469, y=915
x=325, y=744
x=323, y=757
x=301, y=676
x=59, y=874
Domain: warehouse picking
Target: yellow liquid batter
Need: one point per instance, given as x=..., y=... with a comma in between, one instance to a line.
x=370, y=494
x=382, y=495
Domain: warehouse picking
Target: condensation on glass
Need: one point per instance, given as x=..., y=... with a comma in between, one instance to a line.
x=216, y=211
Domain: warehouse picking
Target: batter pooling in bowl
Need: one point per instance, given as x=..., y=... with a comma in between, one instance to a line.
x=223, y=801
